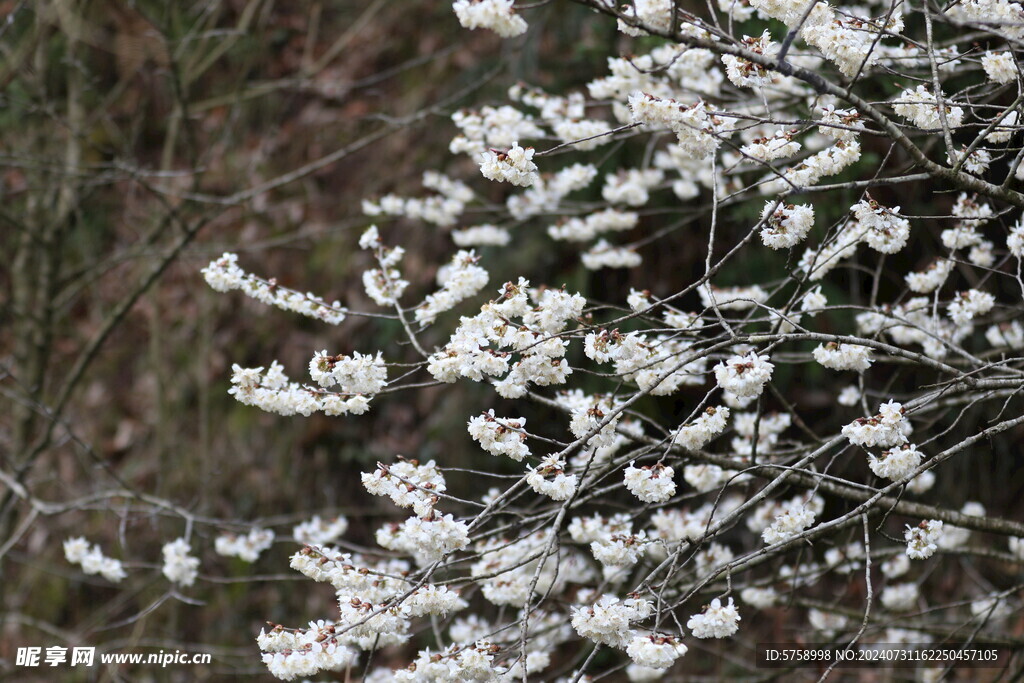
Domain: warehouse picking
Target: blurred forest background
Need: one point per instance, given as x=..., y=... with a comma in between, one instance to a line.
x=138, y=141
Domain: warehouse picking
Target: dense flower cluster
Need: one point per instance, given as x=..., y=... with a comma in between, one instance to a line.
x=786, y=225
x=923, y=540
x=702, y=124
x=180, y=567
x=317, y=531
x=408, y=484
x=716, y=621
x=897, y=463
x=496, y=15
x=459, y=280
x=274, y=392
x=843, y=356
x=655, y=652
x=358, y=374
x=651, y=484
x=500, y=436
x=93, y=561
x=921, y=108
x=888, y=428
x=709, y=424
x=514, y=165
x=744, y=375
x=884, y=230
x=550, y=479
x=608, y=620
x=225, y=274
x=793, y=519
x=245, y=547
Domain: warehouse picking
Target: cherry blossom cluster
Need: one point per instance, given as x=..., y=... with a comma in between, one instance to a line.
x=692, y=449
x=922, y=540
x=496, y=15
x=273, y=392
x=179, y=566
x=247, y=547
x=224, y=274
x=93, y=561
x=888, y=428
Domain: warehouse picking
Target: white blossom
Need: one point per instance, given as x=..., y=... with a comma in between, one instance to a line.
x=884, y=230
x=308, y=658
x=317, y=531
x=654, y=651
x=921, y=483
x=608, y=620
x=620, y=550
x=787, y=225
x=813, y=301
x=500, y=436
x=273, y=392
x=92, y=560
x=896, y=566
x=514, y=165
x=586, y=420
x=224, y=274
x=790, y=522
x=710, y=423
x=746, y=74
x=922, y=540
x=715, y=621
x=900, y=597
x=180, y=567
x=583, y=229
x=897, y=463
x=705, y=477
x=651, y=484
x=696, y=131
x=356, y=374
x=407, y=483
x=920, y=107
x=966, y=306
x=826, y=622
x=1009, y=334
x=732, y=298
x=954, y=536
x=1015, y=240
x=643, y=674
x=427, y=539
x=496, y=15
x=842, y=124
x=999, y=66
x=1005, y=129
x=843, y=356
x=459, y=280
x=481, y=235
x=886, y=429
x=433, y=600
x=744, y=375
x=778, y=146
x=849, y=396
x=549, y=479
x=246, y=547
x=982, y=255
x=631, y=186
x=760, y=598
x=604, y=255
x=992, y=607
x=931, y=278
x=809, y=171
x=653, y=14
